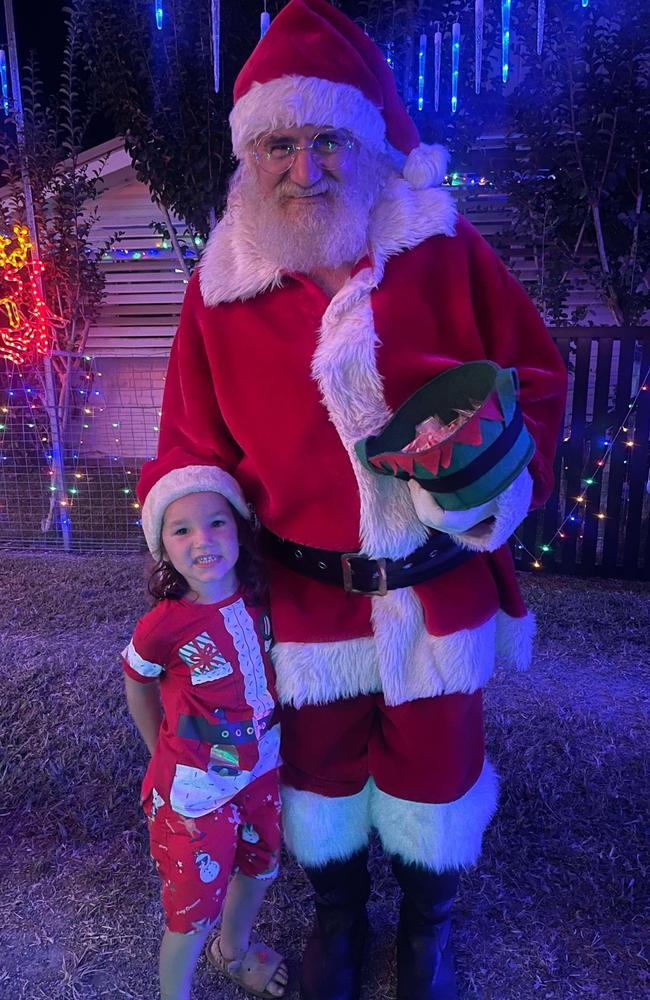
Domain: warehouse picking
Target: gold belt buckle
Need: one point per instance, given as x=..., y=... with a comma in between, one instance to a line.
x=381, y=591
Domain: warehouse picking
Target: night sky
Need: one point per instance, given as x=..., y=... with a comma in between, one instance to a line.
x=39, y=26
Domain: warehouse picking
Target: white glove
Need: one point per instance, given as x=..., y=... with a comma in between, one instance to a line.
x=484, y=528
x=432, y=514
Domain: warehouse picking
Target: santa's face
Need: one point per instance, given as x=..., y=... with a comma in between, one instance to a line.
x=315, y=213
x=313, y=175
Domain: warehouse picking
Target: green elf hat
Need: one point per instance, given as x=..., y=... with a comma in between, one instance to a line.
x=461, y=436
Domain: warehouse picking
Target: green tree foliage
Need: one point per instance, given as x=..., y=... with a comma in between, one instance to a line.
x=579, y=177
x=157, y=88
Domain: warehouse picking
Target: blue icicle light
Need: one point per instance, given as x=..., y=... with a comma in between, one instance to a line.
x=455, y=60
x=216, y=39
x=158, y=7
x=3, y=81
x=478, y=44
x=437, y=61
x=422, y=61
x=505, y=38
x=541, y=10
x=265, y=22
x=585, y=3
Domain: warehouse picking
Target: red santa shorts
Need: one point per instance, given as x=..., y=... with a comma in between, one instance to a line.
x=429, y=750
x=195, y=857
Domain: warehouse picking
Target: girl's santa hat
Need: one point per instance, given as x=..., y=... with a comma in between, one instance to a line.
x=174, y=476
x=315, y=66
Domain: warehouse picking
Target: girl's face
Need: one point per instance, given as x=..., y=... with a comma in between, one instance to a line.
x=199, y=538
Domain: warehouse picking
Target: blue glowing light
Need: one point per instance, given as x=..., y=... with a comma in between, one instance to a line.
x=421, y=70
x=455, y=60
x=265, y=23
x=158, y=8
x=3, y=81
x=505, y=38
x=437, y=58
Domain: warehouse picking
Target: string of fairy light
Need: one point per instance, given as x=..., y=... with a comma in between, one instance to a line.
x=589, y=482
x=21, y=395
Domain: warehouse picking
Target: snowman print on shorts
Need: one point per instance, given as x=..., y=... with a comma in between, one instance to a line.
x=208, y=868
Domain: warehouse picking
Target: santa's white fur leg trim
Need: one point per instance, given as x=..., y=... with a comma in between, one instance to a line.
x=435, y=836
x=514, y=639
x=319, y=829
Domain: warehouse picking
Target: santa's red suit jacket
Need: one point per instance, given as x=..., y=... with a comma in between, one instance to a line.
x=274, y=382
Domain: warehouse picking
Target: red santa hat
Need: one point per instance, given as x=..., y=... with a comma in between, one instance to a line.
x=315, y=66
x=174, y=476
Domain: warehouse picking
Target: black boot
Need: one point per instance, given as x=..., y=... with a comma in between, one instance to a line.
x=425, y=960
x=331, y=968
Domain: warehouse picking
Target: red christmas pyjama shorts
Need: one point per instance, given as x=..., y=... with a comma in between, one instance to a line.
x=428, y=750
x=195, y=857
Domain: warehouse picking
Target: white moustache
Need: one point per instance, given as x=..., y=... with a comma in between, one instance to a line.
x=288, y=189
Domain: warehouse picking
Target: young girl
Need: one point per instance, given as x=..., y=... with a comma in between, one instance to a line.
x=210, y=793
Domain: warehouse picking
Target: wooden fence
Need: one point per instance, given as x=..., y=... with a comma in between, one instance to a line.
x=597, y=521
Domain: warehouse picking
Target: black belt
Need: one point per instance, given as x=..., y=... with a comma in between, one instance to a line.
x=373, y=577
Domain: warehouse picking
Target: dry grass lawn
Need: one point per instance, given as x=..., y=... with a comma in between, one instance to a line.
x=554, y=912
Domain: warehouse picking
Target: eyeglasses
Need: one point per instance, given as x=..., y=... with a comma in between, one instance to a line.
x=277, y=154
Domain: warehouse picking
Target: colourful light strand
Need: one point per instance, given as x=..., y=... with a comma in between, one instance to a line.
x=437, y=62
x=591, y=480
x=389, y=55
x=455, y=61
x=585, y=3
x=422, y=60
x=478, y=43
x=505, y=38
x=3, y=81
x=158, y=10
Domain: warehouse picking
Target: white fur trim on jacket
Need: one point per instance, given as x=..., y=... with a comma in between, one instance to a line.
x=295, y=101
x=179, y=483
x=318, y=829
x=233, y=266
x=315, y=673
x=508, y=509
x=438, y=837
x=515, y=639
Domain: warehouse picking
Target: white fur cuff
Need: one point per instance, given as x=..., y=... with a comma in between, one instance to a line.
x=319, y=829
x=179, y=483
x=437, y=837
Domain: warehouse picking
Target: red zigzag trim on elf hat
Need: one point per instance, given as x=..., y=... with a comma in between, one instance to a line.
x=315, y=66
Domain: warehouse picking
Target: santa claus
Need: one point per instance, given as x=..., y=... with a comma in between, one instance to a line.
x=340, y=280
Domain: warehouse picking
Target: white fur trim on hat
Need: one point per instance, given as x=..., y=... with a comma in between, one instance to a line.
x=426, y=166
x=295, y=101
x=179, y=483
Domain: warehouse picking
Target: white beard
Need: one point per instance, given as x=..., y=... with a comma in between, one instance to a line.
x=303, y=230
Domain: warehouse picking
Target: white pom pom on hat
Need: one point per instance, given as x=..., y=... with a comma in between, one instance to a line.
x=426, y=166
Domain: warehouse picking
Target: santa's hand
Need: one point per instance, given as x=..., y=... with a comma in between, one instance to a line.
x=432, y=514
x=484, y=528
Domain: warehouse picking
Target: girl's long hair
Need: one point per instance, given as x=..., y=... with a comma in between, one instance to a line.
x=166, y=583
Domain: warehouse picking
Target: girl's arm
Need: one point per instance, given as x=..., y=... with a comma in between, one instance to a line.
x=144, y=705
